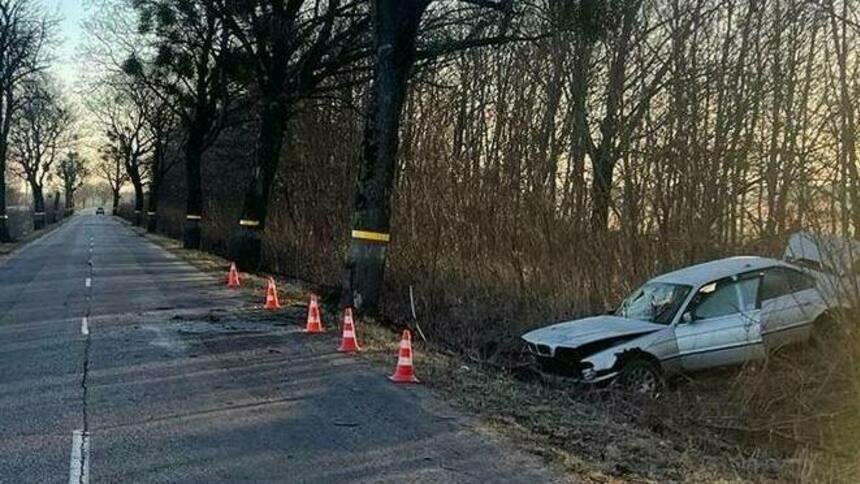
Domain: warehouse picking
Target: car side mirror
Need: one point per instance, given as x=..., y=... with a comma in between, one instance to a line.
x=687, y=318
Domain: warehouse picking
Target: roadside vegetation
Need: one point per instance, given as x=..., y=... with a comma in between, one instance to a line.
x=480, y=168
x=793, y=418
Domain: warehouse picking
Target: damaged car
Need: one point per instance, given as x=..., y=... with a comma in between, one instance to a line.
x=724, y=312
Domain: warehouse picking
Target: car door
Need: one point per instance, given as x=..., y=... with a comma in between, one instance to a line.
x=721, y=324
x=790, y=302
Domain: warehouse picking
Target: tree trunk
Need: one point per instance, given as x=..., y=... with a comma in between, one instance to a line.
x=38, y=206
x=5, y=236
x=601, y=190
x=246, y=243
x=159, y=171
x=70, y=201
x=606, y=156
x=194, y=202
x=115, y=206
x=55, y=215
x=396, y=28
x=138, y=200
x=152, y=203
x=5, y=124
x=579, y=136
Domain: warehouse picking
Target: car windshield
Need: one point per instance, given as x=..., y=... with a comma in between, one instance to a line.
x=656, y=302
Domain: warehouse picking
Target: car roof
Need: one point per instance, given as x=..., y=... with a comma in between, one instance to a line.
x=718, y=269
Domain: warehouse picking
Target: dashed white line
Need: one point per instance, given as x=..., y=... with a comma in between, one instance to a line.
x=85, y=326
x=88, y=282
x=79, y=465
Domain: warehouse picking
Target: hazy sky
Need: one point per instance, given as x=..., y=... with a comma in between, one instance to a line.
x=71, y=14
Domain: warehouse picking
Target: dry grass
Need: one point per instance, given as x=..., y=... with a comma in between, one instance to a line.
x=794, y=418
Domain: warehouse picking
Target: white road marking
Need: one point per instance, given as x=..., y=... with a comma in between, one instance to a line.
x=79, y=466
x=88, y=282
x=85, y=326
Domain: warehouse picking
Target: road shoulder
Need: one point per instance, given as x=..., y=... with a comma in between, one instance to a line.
x=9, y=249
x=378, y=356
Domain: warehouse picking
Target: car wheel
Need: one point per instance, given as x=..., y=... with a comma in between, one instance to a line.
x=641, y=377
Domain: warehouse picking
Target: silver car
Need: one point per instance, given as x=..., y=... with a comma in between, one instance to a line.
x=724, y=312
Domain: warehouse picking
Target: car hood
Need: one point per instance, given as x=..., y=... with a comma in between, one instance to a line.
x=581, y=331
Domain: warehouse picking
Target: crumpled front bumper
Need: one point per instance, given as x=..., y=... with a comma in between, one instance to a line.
x=566, y=362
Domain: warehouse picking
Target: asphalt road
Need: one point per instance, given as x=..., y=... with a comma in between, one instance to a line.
x=115, y=366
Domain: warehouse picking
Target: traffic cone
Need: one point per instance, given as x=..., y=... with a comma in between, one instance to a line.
x=348, y=343
x=314, y=325
x=233, y=277
x=272, y=302
x=403, y=373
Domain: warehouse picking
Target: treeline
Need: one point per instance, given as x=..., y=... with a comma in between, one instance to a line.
x=36, y=136
x=527, y=160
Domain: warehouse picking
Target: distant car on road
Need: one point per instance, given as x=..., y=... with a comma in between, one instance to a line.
x=100, y=211
x=723, y=312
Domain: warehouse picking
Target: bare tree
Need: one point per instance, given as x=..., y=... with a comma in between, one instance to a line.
x=24, y=31
x=396, y=26
x=72, y=171
x=188, y=61
x=123, y=110
x=161, y=129
x=41, y=131
x=111, y=169
x=293, y=48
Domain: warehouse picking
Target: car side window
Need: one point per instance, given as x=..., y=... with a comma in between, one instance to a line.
x=800, y=281
x=781, y=281
x=749, y=286
x=716, y=299
x=775, y=284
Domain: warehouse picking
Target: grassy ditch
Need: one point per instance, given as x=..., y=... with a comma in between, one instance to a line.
x=794, y=418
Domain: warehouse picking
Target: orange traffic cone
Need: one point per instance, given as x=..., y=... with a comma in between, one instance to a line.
x=348, y=343
x=233, y=277
x=403, y=372
x=272, y=302
x=314, y=325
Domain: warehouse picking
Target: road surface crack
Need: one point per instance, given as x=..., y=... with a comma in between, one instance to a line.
x=83, y=476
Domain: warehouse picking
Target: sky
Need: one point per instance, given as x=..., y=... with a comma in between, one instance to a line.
x=71, y=14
